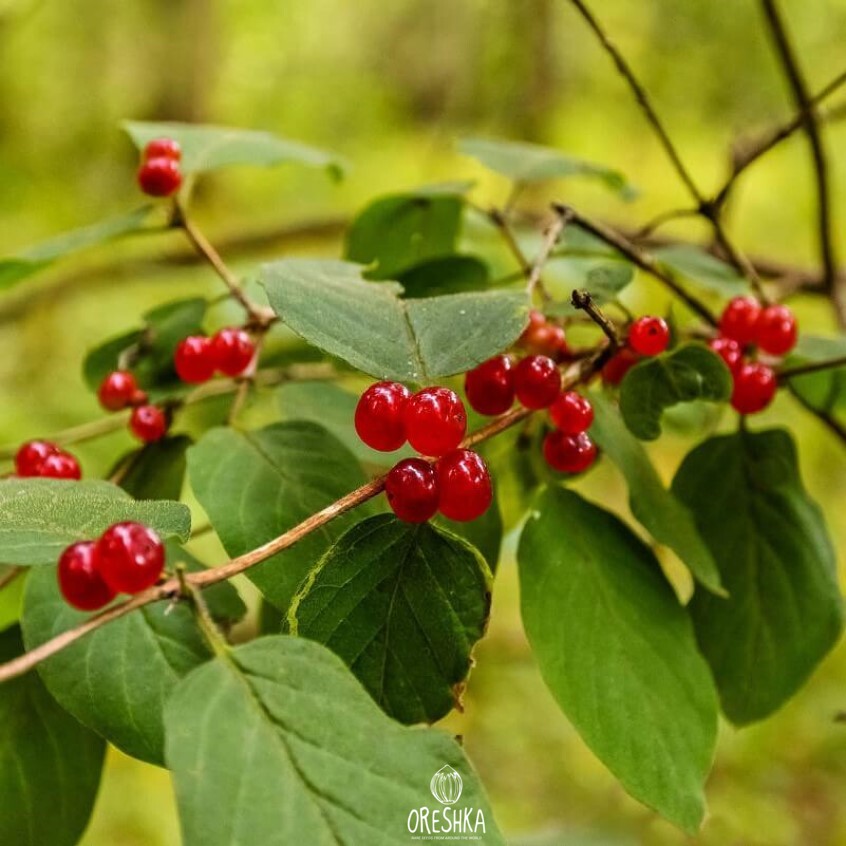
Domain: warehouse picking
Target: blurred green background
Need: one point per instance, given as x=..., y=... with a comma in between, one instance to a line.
x=390, y=86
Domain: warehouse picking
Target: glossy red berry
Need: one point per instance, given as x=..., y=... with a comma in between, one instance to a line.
x=465, y=485
x=490, y=386
x=60, y=465
x=163, y=148
x=618, y=365
x=30, y=456
x=159, y=177
x=148, y=423
x=777, y=330
x=729, y=351
x=536, y=381
x=569, y=453
x=536, y=320
x=649, y=335
x=129, y=557
x=571, y=413
x=194, y=359
x=79, y=580
x=739, y=320
x=117, y=390
x=232, y=351
x=412, y=490
x=755, y=385
x=379, y=416
x=435, y=421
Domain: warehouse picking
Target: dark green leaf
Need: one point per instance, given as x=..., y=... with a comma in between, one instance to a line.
x=206, y=147
x=618, y=652
x=531, y=163
x=256, y=485
x=691, y=372
x=40, y=517
x=485, y=533
x=280, y=745
x=784, y=610
x=403, y=605
x=49, y=764
x=30, y=261
x=400, y=231
x=156, y=470
x=702, y=268
x=449, y=275
x=369, y=326
x=657, y=509
x=117, y=679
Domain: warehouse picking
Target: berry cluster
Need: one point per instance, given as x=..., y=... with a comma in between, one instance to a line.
x=160, y=174
x=119, y=390
x=127, y=558
x=544, y=337
x=747, y=325
x=229, y=352
x=647, y=336
x=434, y=422
x=42, y=458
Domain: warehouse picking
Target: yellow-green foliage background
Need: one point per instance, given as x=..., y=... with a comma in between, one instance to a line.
x=390, y=85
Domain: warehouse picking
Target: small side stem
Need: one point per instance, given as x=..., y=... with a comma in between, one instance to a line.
x=583, y=300
x=788, y=373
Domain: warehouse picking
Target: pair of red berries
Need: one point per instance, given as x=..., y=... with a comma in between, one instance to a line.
x=45, y=459
x=119, y=390
x=229, y=352
x=128, y=558
x=568, y=448
x=492, y=387
x=544, y=337
x=647, y=336
x=159, y=174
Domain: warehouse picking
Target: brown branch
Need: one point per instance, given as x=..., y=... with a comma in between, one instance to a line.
x=811, y=367
x=828, y=420
x=802, y=98
x=584, y=301
x=500, y=220
x=551, y=238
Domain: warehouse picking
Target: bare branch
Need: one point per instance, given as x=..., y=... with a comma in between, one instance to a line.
x=551, y=238
x=811, y=367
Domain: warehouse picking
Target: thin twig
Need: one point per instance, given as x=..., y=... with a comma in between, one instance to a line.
x=10, y=575
x=500, y=220
x=551, y=238
x=802, y=98
x=660, y=219
x=834, y=426
x=584, y=301
x=811, y=367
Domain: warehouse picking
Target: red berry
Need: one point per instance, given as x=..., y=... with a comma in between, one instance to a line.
x=729, y=351
x=777, y=330
x=465, y=485
x=412, y=490
x=117, y=390
x=536, y=320
x=232, y=351
x=569, y=453
x=649, y=335
x=571, y=413
x=139, y=398
x=31, y=455
x=618, y=365
x=79, y=581
x=379, y=417
x=148, y=423
x=755, y=385
x=536, y=381
x=163, y=148
x=739, y=320
x=490, y=386
x=129, y=557
x=435, y=421
x=546, y=339
x=159, y=177
x=60, y=465
x=194, y=359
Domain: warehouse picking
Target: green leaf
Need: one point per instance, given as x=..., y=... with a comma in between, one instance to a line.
x=400, y=231
x=403, y=605
x=691, y=372
x=148, y=351
x=449, y=275
x=532, y=163
x=40, y=517
x=602, y=281
x=333, y=408
x=484, y=533
x=369, y=326
x=784, y=610
x=702, y=268
x=117, y=679
x=280, y=745
x=618, y=652
x=30, y=261
x=825, y=390
x=11, y=597
x=656, y=508
x=256, y=485
x=156, y=470
x=206, y=147
x=49, y=764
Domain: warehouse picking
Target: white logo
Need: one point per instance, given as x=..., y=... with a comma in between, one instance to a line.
x=446, y=785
